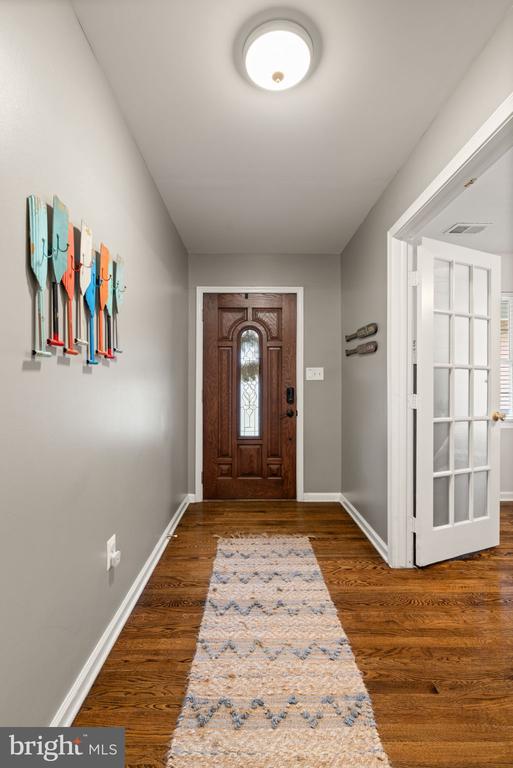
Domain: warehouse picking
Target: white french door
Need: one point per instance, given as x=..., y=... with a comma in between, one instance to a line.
x=458, y=435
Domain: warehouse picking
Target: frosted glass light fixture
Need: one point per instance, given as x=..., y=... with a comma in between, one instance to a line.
x=278, y=55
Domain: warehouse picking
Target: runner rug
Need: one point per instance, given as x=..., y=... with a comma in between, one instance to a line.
x=274, y=683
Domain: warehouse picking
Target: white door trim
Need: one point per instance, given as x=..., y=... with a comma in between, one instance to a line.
x=479, y=152
x=200, y=292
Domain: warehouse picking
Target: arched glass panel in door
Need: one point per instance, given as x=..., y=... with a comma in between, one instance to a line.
x=249, y=384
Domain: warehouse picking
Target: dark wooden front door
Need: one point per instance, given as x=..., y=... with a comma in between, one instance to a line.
x=249, y=396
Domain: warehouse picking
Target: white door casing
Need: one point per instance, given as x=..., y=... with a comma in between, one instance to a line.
x=458, y=442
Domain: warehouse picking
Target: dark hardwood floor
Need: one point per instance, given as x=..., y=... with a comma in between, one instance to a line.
x=435, y=645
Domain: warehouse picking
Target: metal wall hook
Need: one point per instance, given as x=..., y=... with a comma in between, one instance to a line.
x=61, y=250
x=105, y=279
x=46, y=254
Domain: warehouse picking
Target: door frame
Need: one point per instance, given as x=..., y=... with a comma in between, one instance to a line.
x=198, y=462
x=486, y=145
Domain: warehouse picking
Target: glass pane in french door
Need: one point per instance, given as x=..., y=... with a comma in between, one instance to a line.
x=461, y=359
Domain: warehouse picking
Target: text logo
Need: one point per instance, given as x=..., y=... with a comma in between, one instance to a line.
x=30, y=747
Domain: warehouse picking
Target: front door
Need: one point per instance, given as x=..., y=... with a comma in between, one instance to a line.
x=458, y=432
x=249, y=396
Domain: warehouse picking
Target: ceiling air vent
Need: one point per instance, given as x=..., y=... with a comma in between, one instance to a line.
x=465, y=229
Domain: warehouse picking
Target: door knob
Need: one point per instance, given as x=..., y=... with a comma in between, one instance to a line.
x=290, y=413
x=498, y=416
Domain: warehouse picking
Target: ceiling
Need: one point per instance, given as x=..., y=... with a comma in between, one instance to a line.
x=488, y=201
x=247, y=171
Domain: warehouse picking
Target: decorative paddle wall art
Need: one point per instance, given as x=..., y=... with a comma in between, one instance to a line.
x=60, y=247
x=95, y=282
x=84, y=278
x=363, y=349
x=119, y=290
x=362, y=333
x=38, y=238
x=366, y=330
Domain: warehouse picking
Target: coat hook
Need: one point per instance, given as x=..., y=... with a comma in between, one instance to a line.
x=61, y=250
x=46, y=254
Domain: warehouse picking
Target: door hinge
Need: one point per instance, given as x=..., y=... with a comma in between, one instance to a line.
x=413, y=279
x=413, y=401
x=202, y=478
x=413, y=524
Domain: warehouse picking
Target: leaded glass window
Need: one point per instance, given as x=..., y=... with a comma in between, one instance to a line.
x=249, y=384
x=507, y=355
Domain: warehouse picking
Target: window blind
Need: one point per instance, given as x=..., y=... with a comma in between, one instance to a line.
x=507, y=355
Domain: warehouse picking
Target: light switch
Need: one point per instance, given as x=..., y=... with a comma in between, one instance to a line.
x=315, y=374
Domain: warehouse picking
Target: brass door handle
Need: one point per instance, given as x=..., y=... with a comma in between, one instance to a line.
x=498, y=416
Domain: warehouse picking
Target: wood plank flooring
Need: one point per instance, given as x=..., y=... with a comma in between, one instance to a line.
x=435, y=645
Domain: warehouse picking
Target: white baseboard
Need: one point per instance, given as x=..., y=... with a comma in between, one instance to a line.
x=80, y=688
x=376, y=540
x=321, y=497
x=507, y=496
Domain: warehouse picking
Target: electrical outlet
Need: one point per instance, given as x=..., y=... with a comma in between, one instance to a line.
x=315, y=374
x=113, y=554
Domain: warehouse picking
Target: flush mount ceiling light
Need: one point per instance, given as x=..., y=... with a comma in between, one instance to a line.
x=277, y=55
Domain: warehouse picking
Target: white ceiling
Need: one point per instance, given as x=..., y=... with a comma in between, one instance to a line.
x=488, y=201
x=244, y=170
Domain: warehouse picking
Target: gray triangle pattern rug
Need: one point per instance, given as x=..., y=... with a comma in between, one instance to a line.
x=274, y=683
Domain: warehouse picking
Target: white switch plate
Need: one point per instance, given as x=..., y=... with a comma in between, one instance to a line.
x=113, y=554
x=315, y=374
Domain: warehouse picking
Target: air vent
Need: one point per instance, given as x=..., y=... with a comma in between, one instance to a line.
x=466, y=229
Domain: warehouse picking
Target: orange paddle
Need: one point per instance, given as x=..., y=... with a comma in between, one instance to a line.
x=103, y=280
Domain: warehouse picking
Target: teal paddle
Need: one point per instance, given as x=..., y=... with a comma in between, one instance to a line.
x=38, y=234
x=60, y=224
x=90, y=300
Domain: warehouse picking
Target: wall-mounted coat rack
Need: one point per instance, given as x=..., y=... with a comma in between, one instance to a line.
x=94, y=281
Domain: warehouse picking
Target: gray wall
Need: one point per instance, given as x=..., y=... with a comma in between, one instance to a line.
x=507, y=432
x=320, y=277
x=85, y=453
x=364, y=272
